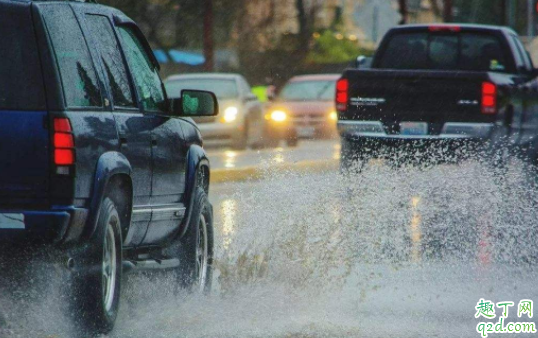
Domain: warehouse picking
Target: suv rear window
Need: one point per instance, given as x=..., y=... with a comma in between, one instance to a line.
x=21, y=80
x=463, y=51
x=79, y=78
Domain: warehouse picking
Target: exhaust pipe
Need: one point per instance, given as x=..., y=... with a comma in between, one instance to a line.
x=70, y=264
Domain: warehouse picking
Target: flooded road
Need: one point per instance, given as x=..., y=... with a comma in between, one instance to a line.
x=307, y=150
x=402, y=252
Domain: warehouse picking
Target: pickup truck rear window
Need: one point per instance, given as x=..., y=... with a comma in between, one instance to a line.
x=464, y=51
x=21, y=80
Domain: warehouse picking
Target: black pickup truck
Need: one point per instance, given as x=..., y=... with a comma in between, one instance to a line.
x=443, y=86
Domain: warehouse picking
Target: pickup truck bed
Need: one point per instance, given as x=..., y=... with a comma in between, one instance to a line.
x=439, y=82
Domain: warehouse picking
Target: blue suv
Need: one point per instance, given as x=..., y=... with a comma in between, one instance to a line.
x=96, y=161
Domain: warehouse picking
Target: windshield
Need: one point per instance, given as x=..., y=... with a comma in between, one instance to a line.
x=308, y=91
x=223, y=88
x=465, y=51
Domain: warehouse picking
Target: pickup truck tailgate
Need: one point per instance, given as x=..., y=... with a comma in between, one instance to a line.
x=436, y=97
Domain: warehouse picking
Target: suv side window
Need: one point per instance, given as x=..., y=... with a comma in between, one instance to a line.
x=146, y=77
x=79, y=80
x=103, y=35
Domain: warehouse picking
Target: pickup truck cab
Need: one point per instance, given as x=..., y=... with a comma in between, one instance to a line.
x=445, y=86
x=97, y=163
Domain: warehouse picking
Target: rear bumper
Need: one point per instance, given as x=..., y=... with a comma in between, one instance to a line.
x=58, y=226
x=450, y=131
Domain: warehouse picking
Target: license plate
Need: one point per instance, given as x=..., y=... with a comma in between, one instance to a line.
x=413, y=128
x=12, y=221
x=306, y=131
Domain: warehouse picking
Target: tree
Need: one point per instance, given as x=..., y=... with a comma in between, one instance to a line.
x=178, y=23
x=403, y=11
x=447, y=11
x=306, y=17
x=328, y=49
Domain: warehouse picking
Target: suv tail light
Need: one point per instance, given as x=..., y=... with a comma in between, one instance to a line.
x=489, y=98
x=64, y=143
x=342, y=95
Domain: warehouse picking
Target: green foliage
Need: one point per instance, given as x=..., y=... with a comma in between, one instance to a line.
x=328, y=48
x=179, y=23
x=481, y=11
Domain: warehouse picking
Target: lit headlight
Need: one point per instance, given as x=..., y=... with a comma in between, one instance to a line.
x=333, y=116
x=279, y=116
x=230, y=114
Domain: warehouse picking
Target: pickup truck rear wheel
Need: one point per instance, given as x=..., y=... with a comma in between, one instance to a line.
x=98, y=273
x=292, y=141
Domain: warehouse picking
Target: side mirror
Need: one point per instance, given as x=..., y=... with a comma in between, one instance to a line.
x=363, y=62
x=195, y=103
x=250, y=97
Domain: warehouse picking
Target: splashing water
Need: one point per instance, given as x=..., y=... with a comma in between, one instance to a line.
x=387, y=252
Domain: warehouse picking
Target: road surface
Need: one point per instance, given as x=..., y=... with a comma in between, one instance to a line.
x=305, y=151
x=404, y=252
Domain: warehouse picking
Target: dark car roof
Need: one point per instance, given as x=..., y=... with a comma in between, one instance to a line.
x=454, y=25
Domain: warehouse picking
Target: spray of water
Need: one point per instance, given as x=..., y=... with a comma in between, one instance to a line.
x=403, y=251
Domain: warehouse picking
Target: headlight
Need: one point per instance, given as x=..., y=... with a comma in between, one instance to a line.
x=333, y=116
x=278, y=116
x=230, y=114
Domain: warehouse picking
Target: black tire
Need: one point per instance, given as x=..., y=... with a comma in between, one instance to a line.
x=195, y=249
x=292, y=141
x=269, y=141
x=98, y=273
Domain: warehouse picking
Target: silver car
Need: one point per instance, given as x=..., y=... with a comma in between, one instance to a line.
x=240, y=122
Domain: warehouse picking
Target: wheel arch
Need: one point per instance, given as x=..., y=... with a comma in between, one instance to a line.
x=112, y=178
x=197, y=173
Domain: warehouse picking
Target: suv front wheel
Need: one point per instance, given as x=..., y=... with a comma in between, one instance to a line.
x=195, y=249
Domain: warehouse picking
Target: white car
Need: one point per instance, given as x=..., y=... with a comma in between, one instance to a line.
x=240, y=122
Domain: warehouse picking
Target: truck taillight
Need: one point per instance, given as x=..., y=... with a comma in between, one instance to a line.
x=342, y=95
x=64, y=143
x=489, y=98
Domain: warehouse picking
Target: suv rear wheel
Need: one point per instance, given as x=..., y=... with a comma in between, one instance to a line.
x=98, y=273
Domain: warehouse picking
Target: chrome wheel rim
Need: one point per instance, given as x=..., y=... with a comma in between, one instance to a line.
x=109, y=267
x=202, y=254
